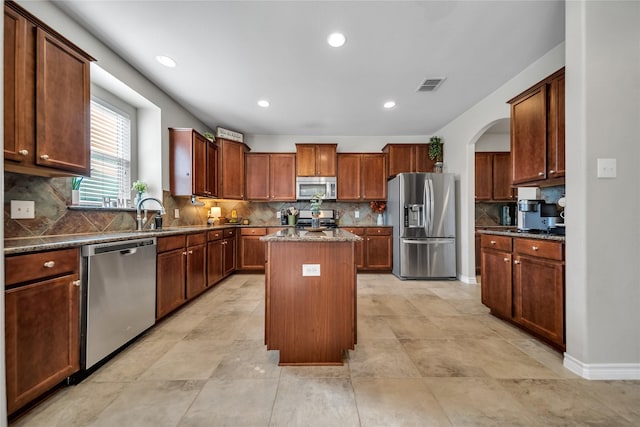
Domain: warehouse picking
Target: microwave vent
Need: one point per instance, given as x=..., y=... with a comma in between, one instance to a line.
x=430, y=84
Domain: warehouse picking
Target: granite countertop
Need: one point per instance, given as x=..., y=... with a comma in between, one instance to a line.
x=299, y=235
x=516, y=233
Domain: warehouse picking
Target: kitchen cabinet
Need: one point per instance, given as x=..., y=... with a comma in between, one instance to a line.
x=537, y=133
x=46, y=98
x=192, y=164
x=42, y=325
x=231, y=169
x=221, y=254
x=403, y=158
x=316, y=159
x=270, y=176
x=251, y=249
x=196, y=265
x=493, y=176
x=496, y=288
x=375, y=251
x=362, y=176
x=538, y=287
x=478, y=252
x=523, y=281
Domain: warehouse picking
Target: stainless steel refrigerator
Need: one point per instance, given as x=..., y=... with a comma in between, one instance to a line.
x=421, y=209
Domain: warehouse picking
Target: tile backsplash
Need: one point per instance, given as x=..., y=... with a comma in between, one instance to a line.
x=52, y=197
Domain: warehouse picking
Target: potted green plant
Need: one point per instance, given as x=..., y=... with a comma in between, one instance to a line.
x=210, y=136
x=316, y=202
x=435, y=152
x=75, y=189
x=141, y=188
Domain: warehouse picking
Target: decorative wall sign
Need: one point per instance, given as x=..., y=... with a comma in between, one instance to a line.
x=229, y=134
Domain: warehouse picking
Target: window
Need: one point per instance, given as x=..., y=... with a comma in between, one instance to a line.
x=110, y=155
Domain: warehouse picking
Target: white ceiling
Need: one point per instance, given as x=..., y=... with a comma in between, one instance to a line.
x=232, y=53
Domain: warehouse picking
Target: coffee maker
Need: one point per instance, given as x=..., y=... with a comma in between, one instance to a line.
x=536, y=215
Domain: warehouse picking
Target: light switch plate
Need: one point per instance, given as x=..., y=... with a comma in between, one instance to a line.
x=176, y=213
x=310, y=269
x=607, y=168
x=22, y=209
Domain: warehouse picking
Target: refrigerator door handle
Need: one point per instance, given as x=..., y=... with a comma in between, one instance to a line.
x=431, y=207
x=427, y=241
x=427, y=207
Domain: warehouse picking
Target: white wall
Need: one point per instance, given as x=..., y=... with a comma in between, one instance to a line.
x=460, y=136
x=493, y=142
x=603, y=236
x=346, y=144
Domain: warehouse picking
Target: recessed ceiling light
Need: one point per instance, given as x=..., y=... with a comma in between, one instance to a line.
x=336, y=40
x=166, y=61
x=263, y=103
x=389, y=104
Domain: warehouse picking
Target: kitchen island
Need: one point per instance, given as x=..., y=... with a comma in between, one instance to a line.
x=310, y=279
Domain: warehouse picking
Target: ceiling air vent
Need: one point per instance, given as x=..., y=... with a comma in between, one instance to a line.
x=430, y=84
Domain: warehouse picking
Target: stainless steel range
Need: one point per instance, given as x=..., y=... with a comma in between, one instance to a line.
x=327, y=218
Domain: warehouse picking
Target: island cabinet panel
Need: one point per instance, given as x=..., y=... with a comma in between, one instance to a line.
x=231, y=174
x=537, y=133
x=42, y=306
x=316, y=159
x=46, y=98
x=310, y=318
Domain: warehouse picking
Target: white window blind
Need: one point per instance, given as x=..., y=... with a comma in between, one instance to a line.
x=110, y=156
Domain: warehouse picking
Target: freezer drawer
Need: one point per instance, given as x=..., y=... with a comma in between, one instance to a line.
x=427, y=258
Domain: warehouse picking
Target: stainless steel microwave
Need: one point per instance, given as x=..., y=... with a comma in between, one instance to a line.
x=307, y=187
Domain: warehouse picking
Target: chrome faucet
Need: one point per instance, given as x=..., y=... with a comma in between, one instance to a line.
x=141, y=225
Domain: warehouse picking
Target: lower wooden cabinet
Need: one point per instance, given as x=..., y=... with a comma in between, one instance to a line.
x=375, y=251
x=42, y=326
x=251, y=249
x=523, y=281
x=221, y=254
x=196, y=265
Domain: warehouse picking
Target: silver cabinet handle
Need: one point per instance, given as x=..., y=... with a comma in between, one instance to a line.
x=552, y=171
x=49, y=264
x=516, y=262
x=190, y=252
x=184, y=253
x=540, y=173
x=534, y=248
x=493, y=242
x=506, y=259
x=76, y=283
x=44, y=157
x=23, y=152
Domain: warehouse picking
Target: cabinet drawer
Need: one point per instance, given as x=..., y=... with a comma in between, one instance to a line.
x=359, y=231
x=214, y=235
x=539, y=248
x=501, y=243
x=196, y=239
x=25, y=268
x=229, y=232
x=379, y=231
x=253, y=231
x=170, y=243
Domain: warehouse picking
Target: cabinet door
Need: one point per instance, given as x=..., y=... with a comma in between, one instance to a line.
x=170, y=281
x=229, y=258
x=529, y=137
x=502, y=177
x=401, y=158
x=556, y=140
x=326, y=160
x=539, y=296
x=258, y=168
x=349, y=177
x=199, y=165
x=212, y=169
x=373, y=177
x=231, y=169
x=251, y=253
x=496, y=292
x=484, y=176
x=41, y=332
x=360, y=245
x=422, y=161
x=305, y=160
x=196, y=270
x=378, y=252
x=282, y=177
x=214, y=262
x=478, y=238
x=62, y=106
x=18, y=141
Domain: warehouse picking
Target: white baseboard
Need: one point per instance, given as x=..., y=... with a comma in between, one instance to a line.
x=602, y=371
x=469, y=280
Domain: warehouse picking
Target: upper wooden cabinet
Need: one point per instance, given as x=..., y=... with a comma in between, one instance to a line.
x=316, y=159
x=362, y=176
x=192, y=164
x=537, y=132
x=407, y=158
x=46, y=99
x=231, y=169
x=493, y=176
x=270, y=176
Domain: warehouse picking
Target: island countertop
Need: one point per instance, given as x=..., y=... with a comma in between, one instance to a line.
x=300, y=235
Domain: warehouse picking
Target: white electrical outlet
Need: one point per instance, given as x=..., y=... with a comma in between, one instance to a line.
x=311, y=269
x=176, y=213
x=606, y=168
x=278, y=214
x=356, y=214
x=22, y=209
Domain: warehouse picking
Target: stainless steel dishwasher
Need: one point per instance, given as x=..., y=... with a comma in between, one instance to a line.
x=119, y=296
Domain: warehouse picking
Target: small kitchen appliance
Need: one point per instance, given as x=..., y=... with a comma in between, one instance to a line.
x=308, y=187
x=537, y=216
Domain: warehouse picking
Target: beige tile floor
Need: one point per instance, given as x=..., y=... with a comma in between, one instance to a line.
x=428, y=354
